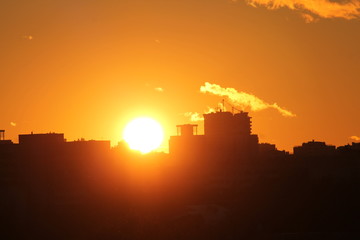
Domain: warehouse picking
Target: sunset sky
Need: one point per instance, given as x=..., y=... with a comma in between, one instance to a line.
x=87, y=67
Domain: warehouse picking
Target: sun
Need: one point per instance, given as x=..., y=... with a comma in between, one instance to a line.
x=143, y=134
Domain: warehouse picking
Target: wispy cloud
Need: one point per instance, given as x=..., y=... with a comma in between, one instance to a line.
x=194, y=116
x=355, y=138
x=13, y=124
x=159, y=89
x=347, y=9
x=197, y=117
x=243, y=100
x=309, y=18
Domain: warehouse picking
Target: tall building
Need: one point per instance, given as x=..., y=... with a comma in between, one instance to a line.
x=227, y=124
x=226, y=135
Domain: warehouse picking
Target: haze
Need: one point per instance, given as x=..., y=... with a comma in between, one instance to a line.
x=86, y=68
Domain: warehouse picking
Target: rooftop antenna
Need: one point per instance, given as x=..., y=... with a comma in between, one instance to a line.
x=233, y=108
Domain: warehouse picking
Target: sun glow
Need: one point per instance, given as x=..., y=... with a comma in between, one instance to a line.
x=143, y=134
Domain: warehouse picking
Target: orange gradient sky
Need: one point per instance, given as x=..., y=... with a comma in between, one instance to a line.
x=87, y=67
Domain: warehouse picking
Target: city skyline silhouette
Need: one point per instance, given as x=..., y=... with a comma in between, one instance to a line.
x=179, y=119
x=220, y=184
x=192, y=128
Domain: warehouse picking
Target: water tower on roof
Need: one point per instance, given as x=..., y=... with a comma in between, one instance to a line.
x=187, y=129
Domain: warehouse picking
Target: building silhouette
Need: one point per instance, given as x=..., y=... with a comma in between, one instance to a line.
x=226, y=135
x=41, y=139
x=314, y=149
x=220, y=183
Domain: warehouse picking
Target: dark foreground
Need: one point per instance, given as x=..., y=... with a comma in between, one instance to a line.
x=114, y=194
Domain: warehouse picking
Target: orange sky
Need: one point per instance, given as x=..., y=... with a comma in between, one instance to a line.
x=87, y=67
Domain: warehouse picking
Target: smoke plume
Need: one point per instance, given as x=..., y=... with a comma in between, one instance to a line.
x=243, y=100
x=347, y=9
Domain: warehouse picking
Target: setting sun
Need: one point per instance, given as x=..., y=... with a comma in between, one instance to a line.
x=143, y=134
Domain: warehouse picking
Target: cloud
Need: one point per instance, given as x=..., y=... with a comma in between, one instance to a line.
x=28, y=37
x=197, y=117
x=347, y=9
x=220, y=106
x=309, y=18
x=13, y=124
x=159, y=89
x=194, y=116
x=242, y=99
x=355, y=138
